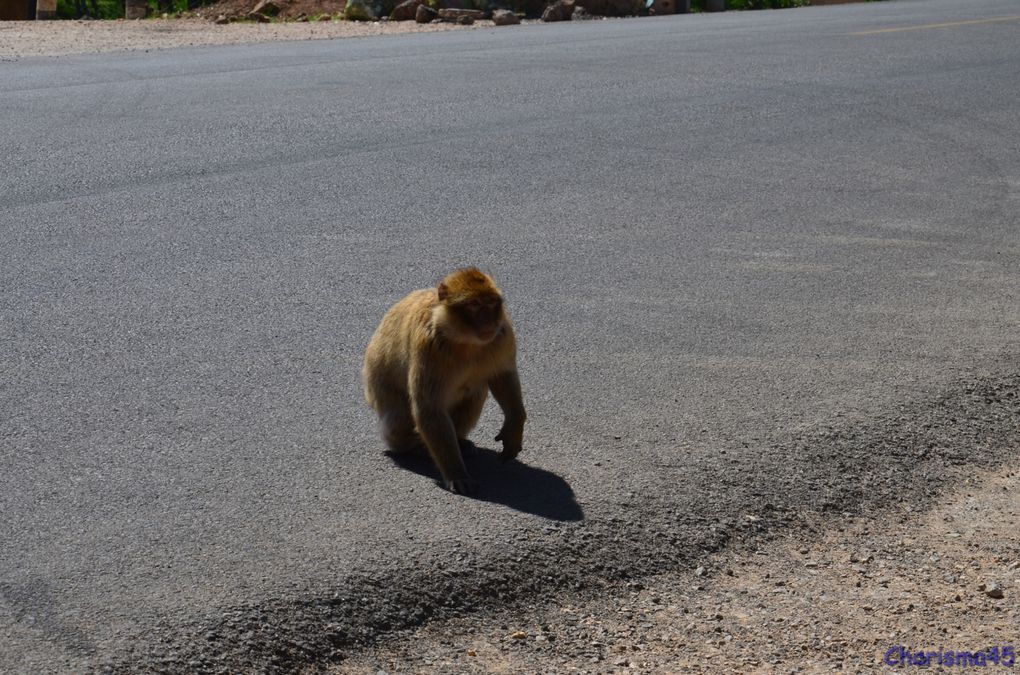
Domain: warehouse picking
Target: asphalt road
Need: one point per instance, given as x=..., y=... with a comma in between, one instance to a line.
x=759, y=263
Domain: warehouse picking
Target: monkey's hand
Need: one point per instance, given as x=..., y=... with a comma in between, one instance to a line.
x=462, y=486
x=512, y=435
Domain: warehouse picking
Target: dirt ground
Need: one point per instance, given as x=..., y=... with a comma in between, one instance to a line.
x=57, y=38
x=846, y=598
x=20, y=39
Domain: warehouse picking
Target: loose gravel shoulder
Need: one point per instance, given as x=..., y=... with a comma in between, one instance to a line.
x=57, y=38
x=844, y=598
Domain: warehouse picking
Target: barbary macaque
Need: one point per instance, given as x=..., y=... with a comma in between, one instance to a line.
x=431, y=364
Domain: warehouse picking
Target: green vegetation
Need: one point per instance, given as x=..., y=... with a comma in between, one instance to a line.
x=114, y=9
x=97, y=9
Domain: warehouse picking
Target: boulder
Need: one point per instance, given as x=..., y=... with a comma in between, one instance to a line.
x=614, y=7
x=133, y=9
x=504, y=17
x=425, y=14
x=266, y=7
x=457, y=15
x=561, y=10
x=358, y=10
x=406, y=10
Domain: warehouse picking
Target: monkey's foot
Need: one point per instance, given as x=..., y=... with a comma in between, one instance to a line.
x=462, y=486
x=507, y=456
x=409, y=448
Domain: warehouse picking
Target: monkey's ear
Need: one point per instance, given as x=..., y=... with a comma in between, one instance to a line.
x=444, y=292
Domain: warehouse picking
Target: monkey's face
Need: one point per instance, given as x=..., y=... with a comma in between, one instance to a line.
x=482, y=316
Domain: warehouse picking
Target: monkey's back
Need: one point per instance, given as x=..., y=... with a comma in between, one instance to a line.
x=388, y=355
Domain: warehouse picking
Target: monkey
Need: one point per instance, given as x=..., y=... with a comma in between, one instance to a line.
x=431, y=364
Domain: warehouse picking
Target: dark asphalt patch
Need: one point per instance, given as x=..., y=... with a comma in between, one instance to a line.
x=749, y=495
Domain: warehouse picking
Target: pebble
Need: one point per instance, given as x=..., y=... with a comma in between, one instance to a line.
x=994, y=590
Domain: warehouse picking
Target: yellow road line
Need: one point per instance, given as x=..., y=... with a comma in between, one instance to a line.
x=972, y=22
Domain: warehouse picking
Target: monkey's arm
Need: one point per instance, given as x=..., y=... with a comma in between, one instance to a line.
x=506, y=389
x=437, y=430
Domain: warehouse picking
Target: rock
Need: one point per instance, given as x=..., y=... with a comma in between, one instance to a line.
x=455, y=15
x=581, y=14
x=504, y=17
x=358, y=10
x=614, y=7
x=406, y=10
x=258, y=18
x=518, y=635
x=325, y=17
x=994, y=590
x=302, y=18
x=133, y=9
x=222, y=19
x=266, y=7
x=700, y=572
x=425, y=14
x=465, y=20
x=561, y=10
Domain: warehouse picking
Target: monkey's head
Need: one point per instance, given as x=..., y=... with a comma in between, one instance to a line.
x=473, y=304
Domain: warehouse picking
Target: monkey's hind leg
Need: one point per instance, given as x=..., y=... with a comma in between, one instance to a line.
x=397, y=425
x=465, y=416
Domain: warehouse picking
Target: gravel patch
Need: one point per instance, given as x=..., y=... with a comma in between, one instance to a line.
x=842, y=595
x=19, y=39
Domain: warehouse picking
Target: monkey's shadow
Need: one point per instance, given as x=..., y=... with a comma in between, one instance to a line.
x=512, y=484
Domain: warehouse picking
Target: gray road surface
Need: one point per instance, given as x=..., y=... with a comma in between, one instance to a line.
x=760, y=263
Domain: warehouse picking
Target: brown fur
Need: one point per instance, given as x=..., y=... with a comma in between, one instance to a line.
x=430, y=366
